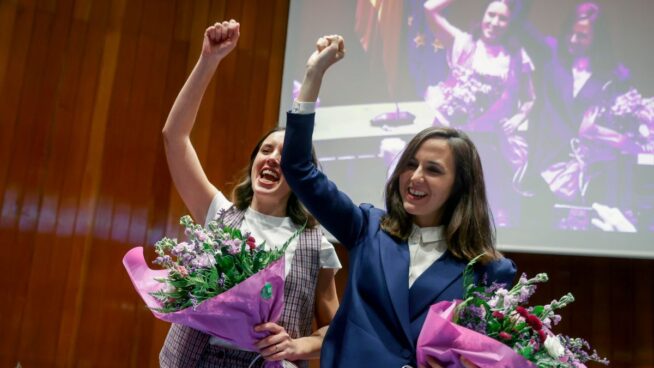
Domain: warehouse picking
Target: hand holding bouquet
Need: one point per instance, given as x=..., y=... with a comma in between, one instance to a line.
x=218, y=281
x=493, y=327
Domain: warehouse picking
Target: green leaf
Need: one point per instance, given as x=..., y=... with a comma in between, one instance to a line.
x=226, y=263
x=469, y=276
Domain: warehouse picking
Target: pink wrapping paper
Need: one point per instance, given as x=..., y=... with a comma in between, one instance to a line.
x=230, y=316
x=447, y=342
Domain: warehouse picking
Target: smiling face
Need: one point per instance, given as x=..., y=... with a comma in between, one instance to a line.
x=268, y=183
x=426, y=182
x=495, y=23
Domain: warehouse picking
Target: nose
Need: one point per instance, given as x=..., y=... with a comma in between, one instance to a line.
x=417, y=175
x=272, y=161
x=494, y=21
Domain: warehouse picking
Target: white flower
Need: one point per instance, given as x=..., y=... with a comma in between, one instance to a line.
x=554, y=347
x=168, y=288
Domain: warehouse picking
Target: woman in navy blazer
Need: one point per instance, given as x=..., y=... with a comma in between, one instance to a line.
x=438, y=182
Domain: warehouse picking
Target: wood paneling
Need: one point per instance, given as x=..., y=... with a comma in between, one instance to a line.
x=613, y=302
x=85, y=89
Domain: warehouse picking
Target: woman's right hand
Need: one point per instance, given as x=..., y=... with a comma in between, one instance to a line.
x=220, y=39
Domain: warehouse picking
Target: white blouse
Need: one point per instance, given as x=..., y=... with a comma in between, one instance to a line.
x=426, y=245
x=274, y=231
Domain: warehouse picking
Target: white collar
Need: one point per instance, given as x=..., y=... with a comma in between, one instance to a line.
x=428, y=234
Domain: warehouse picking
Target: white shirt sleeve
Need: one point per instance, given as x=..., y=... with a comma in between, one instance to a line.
x=219, y=202
x=462, y=43
x=328, y=256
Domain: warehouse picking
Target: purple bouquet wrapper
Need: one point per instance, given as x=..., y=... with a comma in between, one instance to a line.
x=230, y=316
x=447, y=342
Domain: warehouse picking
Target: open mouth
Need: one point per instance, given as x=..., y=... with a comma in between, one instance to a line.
x=269, y=176
x=416, y=194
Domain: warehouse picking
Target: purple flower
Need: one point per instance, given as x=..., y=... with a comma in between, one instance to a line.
x=201, y=235
x=182, y=248
x=204, y=261
x=234, y=246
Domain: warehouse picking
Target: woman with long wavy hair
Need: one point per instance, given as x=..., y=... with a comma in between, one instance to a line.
x=263, y=205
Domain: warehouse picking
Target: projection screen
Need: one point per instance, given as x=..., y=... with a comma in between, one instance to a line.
x=573, y=175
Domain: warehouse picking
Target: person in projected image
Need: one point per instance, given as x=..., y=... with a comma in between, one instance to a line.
x=489, y=93
x=408, y=257
x=263, y=205
x=572, y=156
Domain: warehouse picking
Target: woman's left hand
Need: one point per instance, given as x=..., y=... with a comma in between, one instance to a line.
x=279, y=345
x=432, y=363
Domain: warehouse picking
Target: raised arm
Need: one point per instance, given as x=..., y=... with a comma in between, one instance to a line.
x=539, y=47
x=443, y=29
x=332, y=208
x=190, y=179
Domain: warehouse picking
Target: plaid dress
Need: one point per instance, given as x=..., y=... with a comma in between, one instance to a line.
x=186, y=347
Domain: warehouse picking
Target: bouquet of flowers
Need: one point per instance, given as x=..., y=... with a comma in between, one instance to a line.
x=463, y=97
x=633, y=116
x=218, y=281
x=493, y=327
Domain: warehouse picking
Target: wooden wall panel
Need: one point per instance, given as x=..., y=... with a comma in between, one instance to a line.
x=613, y=302
x=85, y=88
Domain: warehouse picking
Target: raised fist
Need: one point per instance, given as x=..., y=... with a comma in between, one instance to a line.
x=220, y=39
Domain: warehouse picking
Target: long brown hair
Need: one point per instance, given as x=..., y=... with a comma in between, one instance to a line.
x=242, y=193
x=467, y=218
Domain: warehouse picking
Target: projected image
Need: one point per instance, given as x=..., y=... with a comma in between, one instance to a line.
x=563, y=118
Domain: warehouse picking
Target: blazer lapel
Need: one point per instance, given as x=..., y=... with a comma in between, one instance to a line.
x=395, y=266
x=429, y=286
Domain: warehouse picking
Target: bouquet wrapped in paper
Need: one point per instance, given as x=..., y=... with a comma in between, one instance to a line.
x=462, y=97
x=621, y=125
x=632, y=115
x=218, y=281
x=493, y=327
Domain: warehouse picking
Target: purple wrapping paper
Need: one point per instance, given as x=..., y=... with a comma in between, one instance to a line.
x=230, y=316
x=447, y=342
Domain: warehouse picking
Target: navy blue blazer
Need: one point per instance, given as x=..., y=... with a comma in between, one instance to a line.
x=380, y=317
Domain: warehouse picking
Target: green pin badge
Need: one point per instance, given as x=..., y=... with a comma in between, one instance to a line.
x=266, y=291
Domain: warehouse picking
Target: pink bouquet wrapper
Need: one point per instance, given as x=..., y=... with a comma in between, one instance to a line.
x=447, y=342
x=230, y=316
